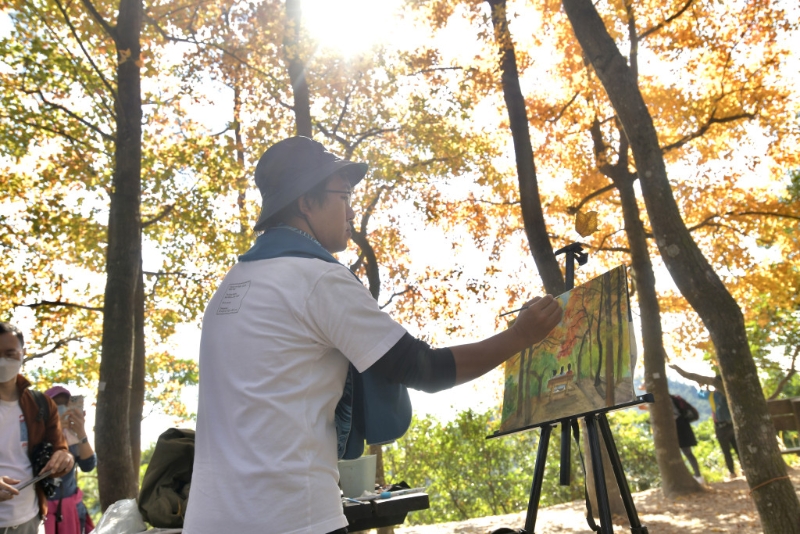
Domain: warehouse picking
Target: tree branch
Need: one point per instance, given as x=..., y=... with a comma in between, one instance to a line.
x=350, y=147
x=166, y=211
x=110, y=30
x=766, y=214
x=160, y=274
x=70, y=113
x=707, y=220
x=57, y=345
x=59, y=304
x=51, y=130
x=666, y=21
x=704, y=128
x=435, y=69
x=572, y=210
x=345, y=106
x=406, y=290
x=625, y=250
x=789, y=375
x=150, y=20
x=563, y=109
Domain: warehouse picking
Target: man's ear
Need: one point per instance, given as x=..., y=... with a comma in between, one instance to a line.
x=305, y=205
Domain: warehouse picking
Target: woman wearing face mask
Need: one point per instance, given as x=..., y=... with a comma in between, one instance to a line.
x=66, y=512
x=23, y=427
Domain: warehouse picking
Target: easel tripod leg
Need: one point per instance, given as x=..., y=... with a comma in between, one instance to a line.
x=538, y=477
x=604, y=509
x=619, y=474
x=566, y=453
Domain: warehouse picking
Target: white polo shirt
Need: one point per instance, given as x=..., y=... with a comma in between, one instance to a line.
x=14, y=463
x=276, y=342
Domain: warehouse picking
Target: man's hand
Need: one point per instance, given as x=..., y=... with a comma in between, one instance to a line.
x=7, y=489
x=60, y=463
x=533, y=324
x=538, y=318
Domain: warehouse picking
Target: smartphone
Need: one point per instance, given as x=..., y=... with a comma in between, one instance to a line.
x=76, y=401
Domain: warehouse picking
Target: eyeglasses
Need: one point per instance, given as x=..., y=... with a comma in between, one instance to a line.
x=348, y=194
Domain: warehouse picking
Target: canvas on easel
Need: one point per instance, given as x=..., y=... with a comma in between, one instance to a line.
x=586, y=363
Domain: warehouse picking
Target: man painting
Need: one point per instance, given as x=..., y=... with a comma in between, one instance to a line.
x=298, y=364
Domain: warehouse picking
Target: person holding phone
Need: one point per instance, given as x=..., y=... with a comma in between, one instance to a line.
x=27, y=419
x=66, y=512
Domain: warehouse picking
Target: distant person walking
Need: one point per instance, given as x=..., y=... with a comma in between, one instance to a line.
x=685, y=414
x=723, y=423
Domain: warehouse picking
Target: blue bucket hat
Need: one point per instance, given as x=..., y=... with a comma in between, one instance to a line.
x=292, y=167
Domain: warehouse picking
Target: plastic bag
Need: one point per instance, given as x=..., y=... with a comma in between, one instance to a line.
x=122, y=517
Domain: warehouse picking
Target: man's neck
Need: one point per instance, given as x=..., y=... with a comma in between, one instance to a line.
x=8, y=390
x=302, y=224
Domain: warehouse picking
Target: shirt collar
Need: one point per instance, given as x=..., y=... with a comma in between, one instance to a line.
x=299, y=231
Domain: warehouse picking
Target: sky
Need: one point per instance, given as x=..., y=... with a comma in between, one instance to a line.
x=349, y=26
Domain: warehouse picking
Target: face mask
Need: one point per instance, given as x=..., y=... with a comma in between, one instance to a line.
x=9, y=369
x=61, y=410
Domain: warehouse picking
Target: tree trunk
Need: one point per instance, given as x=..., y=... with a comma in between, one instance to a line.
x=116, y=477
x=137, y=380
x=532, y=216
x=675, y=477
x=297, y=68
x=370, y=260
x=242, y=178
x=771, y=488
x=374, y=280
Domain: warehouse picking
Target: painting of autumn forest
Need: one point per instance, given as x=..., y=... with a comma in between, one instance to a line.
x=586, y=363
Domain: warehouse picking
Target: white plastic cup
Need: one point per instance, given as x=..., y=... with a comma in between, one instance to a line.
x=357, y=476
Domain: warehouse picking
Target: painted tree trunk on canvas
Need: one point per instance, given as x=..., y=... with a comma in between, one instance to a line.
x=609, y=375
x=600, y=340
x=621, y=294
x=771, y=488
x=522, y=381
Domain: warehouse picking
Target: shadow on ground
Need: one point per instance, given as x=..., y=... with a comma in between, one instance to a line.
x=722, y=507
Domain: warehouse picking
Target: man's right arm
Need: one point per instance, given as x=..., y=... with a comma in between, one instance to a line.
x=532, y=325
x=413, y=363
x=700, y=379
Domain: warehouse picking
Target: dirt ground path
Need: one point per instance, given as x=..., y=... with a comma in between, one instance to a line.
x=723, y=507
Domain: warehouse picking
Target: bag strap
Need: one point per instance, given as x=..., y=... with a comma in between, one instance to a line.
x=44, y=407
x=589, y=515
x=59, y=517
